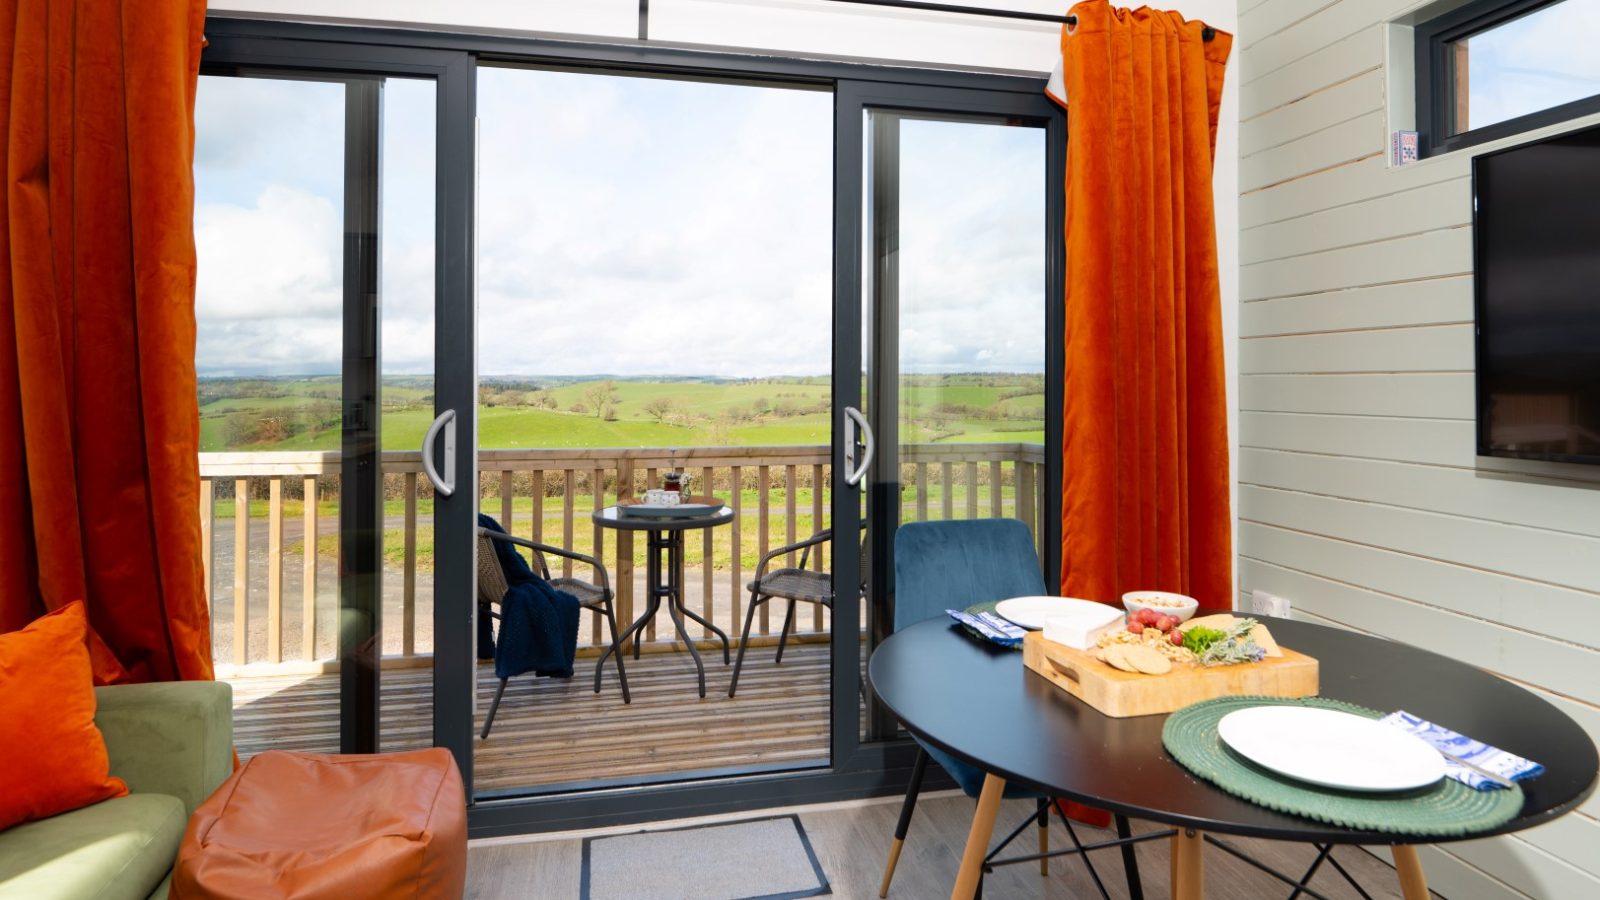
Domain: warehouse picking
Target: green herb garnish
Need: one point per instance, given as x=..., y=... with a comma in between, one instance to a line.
x=1198, y=639
x=1234, y=647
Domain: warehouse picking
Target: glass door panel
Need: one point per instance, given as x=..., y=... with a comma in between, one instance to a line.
x=316, y=302
x=954, y=315
x=406, y=283
x=654, y=261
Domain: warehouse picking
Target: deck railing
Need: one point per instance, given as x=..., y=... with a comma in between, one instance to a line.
x=782, y=495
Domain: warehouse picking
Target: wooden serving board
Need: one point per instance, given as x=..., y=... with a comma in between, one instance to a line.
x=1121, y=694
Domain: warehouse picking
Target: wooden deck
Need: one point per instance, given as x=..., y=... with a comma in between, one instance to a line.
x=552, y=733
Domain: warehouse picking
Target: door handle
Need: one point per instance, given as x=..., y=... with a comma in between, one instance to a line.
x=854, y=421
x=446, y=422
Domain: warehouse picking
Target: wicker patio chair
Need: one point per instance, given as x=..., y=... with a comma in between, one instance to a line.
x=596, y=598
x=796, y=584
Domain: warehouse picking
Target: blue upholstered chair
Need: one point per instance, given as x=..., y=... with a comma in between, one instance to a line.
x=954, y=565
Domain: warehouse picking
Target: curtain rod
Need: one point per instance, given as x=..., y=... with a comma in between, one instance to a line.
x=1206, y=34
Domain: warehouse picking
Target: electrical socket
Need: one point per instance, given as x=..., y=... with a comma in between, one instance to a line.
x=1267, y=604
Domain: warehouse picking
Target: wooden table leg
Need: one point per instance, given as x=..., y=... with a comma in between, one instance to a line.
x=1413, y=886
x=978, y=838
x=1188, y=865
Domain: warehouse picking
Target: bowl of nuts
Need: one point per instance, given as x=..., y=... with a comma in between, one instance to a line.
x=1160, y=602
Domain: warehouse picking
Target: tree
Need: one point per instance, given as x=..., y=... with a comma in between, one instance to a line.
x=602, y=397
x=659, y=407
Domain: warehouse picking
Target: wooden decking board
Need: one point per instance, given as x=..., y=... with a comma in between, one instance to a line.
x=551, y=732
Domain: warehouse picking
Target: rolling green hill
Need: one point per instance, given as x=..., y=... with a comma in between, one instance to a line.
x=303, y=413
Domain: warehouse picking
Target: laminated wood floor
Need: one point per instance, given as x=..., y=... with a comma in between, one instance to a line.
x=551, y=732
x=851, y=842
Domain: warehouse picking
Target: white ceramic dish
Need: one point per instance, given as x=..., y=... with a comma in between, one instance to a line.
x=1030, y=612
x=1133, y=601
x=1332, y=749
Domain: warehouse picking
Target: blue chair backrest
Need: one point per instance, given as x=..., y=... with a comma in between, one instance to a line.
x=953, y=565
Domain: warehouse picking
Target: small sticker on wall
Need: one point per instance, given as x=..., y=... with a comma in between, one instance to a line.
x=1403, y=148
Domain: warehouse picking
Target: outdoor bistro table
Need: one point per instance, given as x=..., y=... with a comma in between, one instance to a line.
x=978, y=703
x=665, y=534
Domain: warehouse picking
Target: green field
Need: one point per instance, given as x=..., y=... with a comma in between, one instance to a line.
x=256, y=415
x=289, y=414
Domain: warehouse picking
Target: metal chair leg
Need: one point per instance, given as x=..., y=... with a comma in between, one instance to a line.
x=1130, y=862
x=493, y=708
x=616, y=649
x=913, y=788
x=744, y=640
x=783, y=636
x=1087, y=862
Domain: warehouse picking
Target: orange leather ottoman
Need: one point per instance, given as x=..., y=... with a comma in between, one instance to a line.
x=311, y=826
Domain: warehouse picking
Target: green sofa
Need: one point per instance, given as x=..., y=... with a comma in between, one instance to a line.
x=173, y=744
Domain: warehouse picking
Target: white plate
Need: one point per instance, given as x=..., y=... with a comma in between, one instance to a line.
x=1330, y=748
x=1030, y=612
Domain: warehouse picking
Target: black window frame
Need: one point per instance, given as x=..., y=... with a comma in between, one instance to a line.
x=1435, y=85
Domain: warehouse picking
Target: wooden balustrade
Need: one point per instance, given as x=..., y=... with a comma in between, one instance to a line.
x=541, y=494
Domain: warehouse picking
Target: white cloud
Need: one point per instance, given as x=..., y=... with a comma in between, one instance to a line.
x=636, y=226
x=625, y=226
x=269, y=227
x=281, y=255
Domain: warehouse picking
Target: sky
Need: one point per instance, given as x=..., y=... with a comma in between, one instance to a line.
x=269, y=214
x=626, y=226
x=641, y=226
x=1535, y=62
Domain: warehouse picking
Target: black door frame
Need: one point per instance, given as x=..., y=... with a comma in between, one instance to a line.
x=234, y=51
x=857, y=769
x=853, y=101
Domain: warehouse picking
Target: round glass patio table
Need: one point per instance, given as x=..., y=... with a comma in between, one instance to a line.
x=664, y=578
x=978, y=703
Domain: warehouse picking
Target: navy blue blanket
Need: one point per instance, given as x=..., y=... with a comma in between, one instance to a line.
x=538, y=624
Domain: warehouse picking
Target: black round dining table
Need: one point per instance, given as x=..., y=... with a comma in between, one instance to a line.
x=977, y=702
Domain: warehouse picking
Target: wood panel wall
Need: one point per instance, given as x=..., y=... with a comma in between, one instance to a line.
x=1360, y=496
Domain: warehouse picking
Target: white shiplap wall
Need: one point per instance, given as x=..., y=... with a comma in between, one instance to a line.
x=1360, y=496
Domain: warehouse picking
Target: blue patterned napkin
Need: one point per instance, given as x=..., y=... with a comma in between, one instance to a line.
x=1507, y=765
x=991, y=627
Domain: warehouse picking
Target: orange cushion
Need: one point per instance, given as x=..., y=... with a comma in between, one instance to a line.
x=323, y=827
x=52, y=757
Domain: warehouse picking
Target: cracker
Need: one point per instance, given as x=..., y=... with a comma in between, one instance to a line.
x=1117, y=657
x=1147, y=660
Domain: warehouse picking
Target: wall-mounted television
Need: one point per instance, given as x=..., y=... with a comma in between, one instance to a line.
x=1536, y=259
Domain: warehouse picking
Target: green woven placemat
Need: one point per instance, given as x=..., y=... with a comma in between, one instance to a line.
x=1445, y=808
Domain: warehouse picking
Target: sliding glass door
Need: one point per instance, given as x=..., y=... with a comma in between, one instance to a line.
x=331, y=322
x=654, y=261
x=824, y=292
x=958, y=271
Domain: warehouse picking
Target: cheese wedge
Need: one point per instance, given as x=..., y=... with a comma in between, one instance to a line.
x=1265, y=641
x=1079, y=628
x=1218, y=621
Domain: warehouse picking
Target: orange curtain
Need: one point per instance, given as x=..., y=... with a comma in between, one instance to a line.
x=1145, y=456
x=99, y=479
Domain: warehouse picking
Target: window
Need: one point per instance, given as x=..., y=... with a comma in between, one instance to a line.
x=1493, y=68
